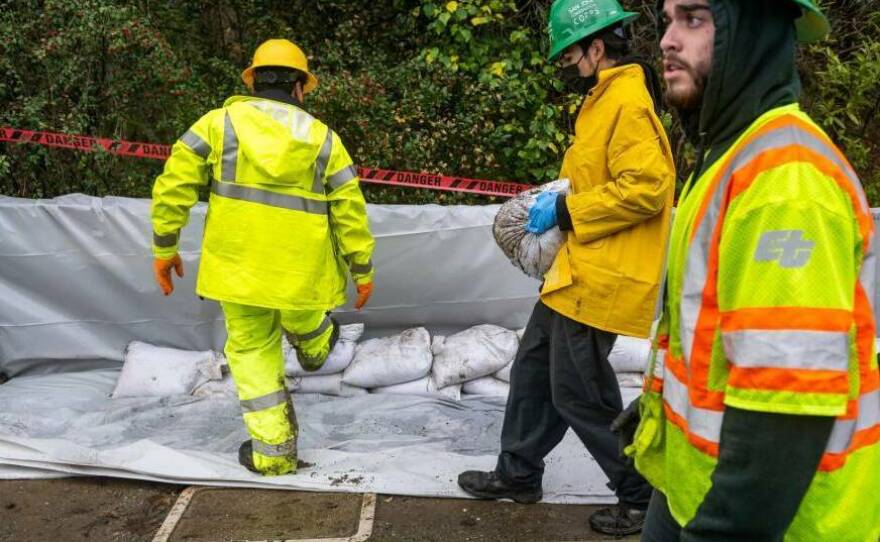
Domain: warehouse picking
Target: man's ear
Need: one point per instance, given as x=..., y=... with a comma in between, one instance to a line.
x=298, y=92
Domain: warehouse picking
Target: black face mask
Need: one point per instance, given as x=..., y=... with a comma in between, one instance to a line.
x=575, y=82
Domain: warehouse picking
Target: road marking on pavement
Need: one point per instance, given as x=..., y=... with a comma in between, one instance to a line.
x=173, y=517
x=364, y=531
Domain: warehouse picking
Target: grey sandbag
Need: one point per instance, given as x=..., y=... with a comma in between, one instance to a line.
x=532, y=253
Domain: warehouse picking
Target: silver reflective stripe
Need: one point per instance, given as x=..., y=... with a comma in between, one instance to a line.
x=301, y=125
x=321, y=163
x=658, y=364
x=298, y=121
x=819, y=350
x=275, y=450
x=315, y=334
x=361, y=269
x=266, y=401
x=265, y=197
x=165, y=241
x=196, y=143
x=697, y=263
x=229, y=162
x=844, y=430
x=702, y=422
x=341, y=177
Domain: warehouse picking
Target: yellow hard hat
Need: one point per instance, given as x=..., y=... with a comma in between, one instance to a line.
x=280, y=52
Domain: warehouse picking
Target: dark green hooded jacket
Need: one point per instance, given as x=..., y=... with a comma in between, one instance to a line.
x=753, y=71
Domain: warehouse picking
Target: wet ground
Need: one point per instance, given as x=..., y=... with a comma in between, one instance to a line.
x=98, y=509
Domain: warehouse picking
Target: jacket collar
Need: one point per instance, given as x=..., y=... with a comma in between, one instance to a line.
x=608, y=76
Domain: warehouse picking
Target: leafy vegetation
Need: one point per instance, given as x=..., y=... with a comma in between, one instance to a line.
x=458, y=87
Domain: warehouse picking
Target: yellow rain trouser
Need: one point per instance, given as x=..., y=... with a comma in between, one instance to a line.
x=253, y=351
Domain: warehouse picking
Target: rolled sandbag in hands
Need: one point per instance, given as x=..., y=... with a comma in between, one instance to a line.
x=532, y=253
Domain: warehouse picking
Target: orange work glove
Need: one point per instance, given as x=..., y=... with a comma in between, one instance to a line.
x=364, y=293
x=162, y=269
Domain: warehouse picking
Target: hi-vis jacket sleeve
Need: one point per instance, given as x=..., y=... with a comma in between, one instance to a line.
x=177, y=189
x=789, y=293
x=642, y=177
x=348, y=214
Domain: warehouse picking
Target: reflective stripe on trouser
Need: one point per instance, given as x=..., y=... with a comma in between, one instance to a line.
x=310, y=333
x=253, y=351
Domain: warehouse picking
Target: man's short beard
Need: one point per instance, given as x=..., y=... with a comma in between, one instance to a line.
x=688, y=101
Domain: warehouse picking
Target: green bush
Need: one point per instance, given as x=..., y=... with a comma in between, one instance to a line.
x=456, y=87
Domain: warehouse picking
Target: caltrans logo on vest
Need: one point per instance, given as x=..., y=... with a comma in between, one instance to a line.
x=788, y=247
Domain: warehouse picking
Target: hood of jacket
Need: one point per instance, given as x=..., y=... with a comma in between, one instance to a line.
x=753, y=71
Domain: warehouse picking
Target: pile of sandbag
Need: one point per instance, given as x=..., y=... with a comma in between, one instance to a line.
x=532, y=253
x=476, y=361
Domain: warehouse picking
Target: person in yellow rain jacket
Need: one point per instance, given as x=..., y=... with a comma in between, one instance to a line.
x=760, y=420
x=286, y=223
x=606, y=278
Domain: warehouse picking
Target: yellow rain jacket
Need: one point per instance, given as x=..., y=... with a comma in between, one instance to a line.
x=286, y=217
x=608, y=273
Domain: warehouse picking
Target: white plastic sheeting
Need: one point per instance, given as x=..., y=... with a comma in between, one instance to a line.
x=395, y=444
x=76, y=286
x=76, y=280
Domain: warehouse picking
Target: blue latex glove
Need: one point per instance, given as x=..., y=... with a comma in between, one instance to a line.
x=542, y=215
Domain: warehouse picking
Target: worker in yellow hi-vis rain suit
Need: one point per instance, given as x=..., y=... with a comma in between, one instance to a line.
x=286, y=221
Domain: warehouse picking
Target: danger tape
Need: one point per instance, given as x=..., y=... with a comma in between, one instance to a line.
x=157, y=151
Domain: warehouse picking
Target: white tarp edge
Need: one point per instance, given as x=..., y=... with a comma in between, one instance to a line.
x=66, y=423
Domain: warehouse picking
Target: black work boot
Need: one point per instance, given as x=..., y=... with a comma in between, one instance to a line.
x=620, y=520
x=246, y=456
x=489, y=485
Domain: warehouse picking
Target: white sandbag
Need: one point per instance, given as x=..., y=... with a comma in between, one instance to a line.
x=486, y=386
x=472, y=353
x=520, y=332
x=326, y=384
x=630, y=355
x=351, y=332
x=630, y=380
x=504, y=374
x=424, y=387
x=390, y=360
x=154, y=371
x=533, y=254
x=217, y=389
x=337, y=361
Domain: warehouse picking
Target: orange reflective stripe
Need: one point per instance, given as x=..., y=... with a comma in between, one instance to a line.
x=796, y=380
x=663, y=342
x=866, y=221
x=705, y=446
x=745, y=176
x=653, y=384
x=862, y=439
x=677, y=367
x=700, y=396
x=778, y=122
x=787, y=318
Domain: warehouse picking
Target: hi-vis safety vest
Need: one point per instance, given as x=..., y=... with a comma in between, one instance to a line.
x=286, y=217
x=769, y=308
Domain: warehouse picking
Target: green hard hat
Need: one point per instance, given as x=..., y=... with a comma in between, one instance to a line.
x=573, y=20
x=812, y=25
